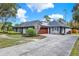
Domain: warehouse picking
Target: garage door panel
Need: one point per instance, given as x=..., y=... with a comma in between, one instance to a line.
x=43, y=31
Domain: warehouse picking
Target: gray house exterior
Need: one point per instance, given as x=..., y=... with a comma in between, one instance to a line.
x=42, y=27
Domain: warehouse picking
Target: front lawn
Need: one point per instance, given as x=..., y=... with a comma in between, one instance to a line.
x=7, y=40
x=75, y=50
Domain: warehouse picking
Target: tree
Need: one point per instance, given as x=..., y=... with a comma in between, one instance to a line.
x=47, y=18
x=70, y=23
x=60, y=19
x=17, y=24
x=7, y=10
x=75, y=15
x=9, y=26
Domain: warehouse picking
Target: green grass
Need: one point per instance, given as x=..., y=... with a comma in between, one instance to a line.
x=15, y=36
x=16, y=39
x=7, y=42
x=75, y=50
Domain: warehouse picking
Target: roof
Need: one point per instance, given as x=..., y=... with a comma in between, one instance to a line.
x=29, y=23
x=58, y=23
x=43, y=23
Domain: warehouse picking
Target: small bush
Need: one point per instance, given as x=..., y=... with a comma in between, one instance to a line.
x=30, y=32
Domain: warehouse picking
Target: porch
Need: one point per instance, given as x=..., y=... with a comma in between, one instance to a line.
x=56, y=30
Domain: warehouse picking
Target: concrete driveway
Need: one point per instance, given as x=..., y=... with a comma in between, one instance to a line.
x=52, y=45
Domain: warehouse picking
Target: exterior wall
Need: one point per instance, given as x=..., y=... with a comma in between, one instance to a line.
x=62, y=30
x=37, y=28
x=21, y=30
x=24, y=30
x=45, y=30
x=58, y=30
x=18, y=30
x=48, y=30
x=54, y=30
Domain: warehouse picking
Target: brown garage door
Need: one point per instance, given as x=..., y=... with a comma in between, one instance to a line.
x=43, y=30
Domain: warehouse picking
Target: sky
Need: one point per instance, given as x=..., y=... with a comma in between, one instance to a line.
x=37, y=11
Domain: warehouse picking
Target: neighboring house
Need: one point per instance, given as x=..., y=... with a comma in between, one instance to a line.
x=42, y=27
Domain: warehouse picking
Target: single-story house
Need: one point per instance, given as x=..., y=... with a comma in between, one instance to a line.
x=43, y=27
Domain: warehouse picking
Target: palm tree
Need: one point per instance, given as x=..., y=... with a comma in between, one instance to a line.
x=7, y=10
x=47, y=18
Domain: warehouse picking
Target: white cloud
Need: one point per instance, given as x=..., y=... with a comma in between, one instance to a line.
x=23, y=20
x=56, y=16
x=40, y=6
x=21, y=14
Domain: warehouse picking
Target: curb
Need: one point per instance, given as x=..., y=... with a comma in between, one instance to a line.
x=72, y=46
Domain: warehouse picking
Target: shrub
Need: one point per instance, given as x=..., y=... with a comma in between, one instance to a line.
x=1, y=31
x=30, y=32
x=9, y=29
x=74, y=31
x=13, y=32
x=9, y=32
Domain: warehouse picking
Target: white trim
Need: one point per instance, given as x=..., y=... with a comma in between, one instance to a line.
x=24, y=30
x=48, y=31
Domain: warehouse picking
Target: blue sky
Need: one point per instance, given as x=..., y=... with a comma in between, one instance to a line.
x=32, y=11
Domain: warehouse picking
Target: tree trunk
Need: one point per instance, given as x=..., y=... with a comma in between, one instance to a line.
x=4, y=25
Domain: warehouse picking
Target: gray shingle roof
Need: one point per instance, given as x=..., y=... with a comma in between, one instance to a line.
x=50, y=24
x=29, y=23
x=57, y=23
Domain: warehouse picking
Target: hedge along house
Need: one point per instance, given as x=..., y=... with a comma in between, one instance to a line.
x=42, y=27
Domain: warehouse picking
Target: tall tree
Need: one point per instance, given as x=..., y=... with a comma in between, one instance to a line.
x=47, y=18
x=75, y=14
x=70, y=23
x=7, y=10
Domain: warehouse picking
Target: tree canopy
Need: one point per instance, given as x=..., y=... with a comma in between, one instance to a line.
x=47, y=18
x=76, y=13
x=7, y=10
